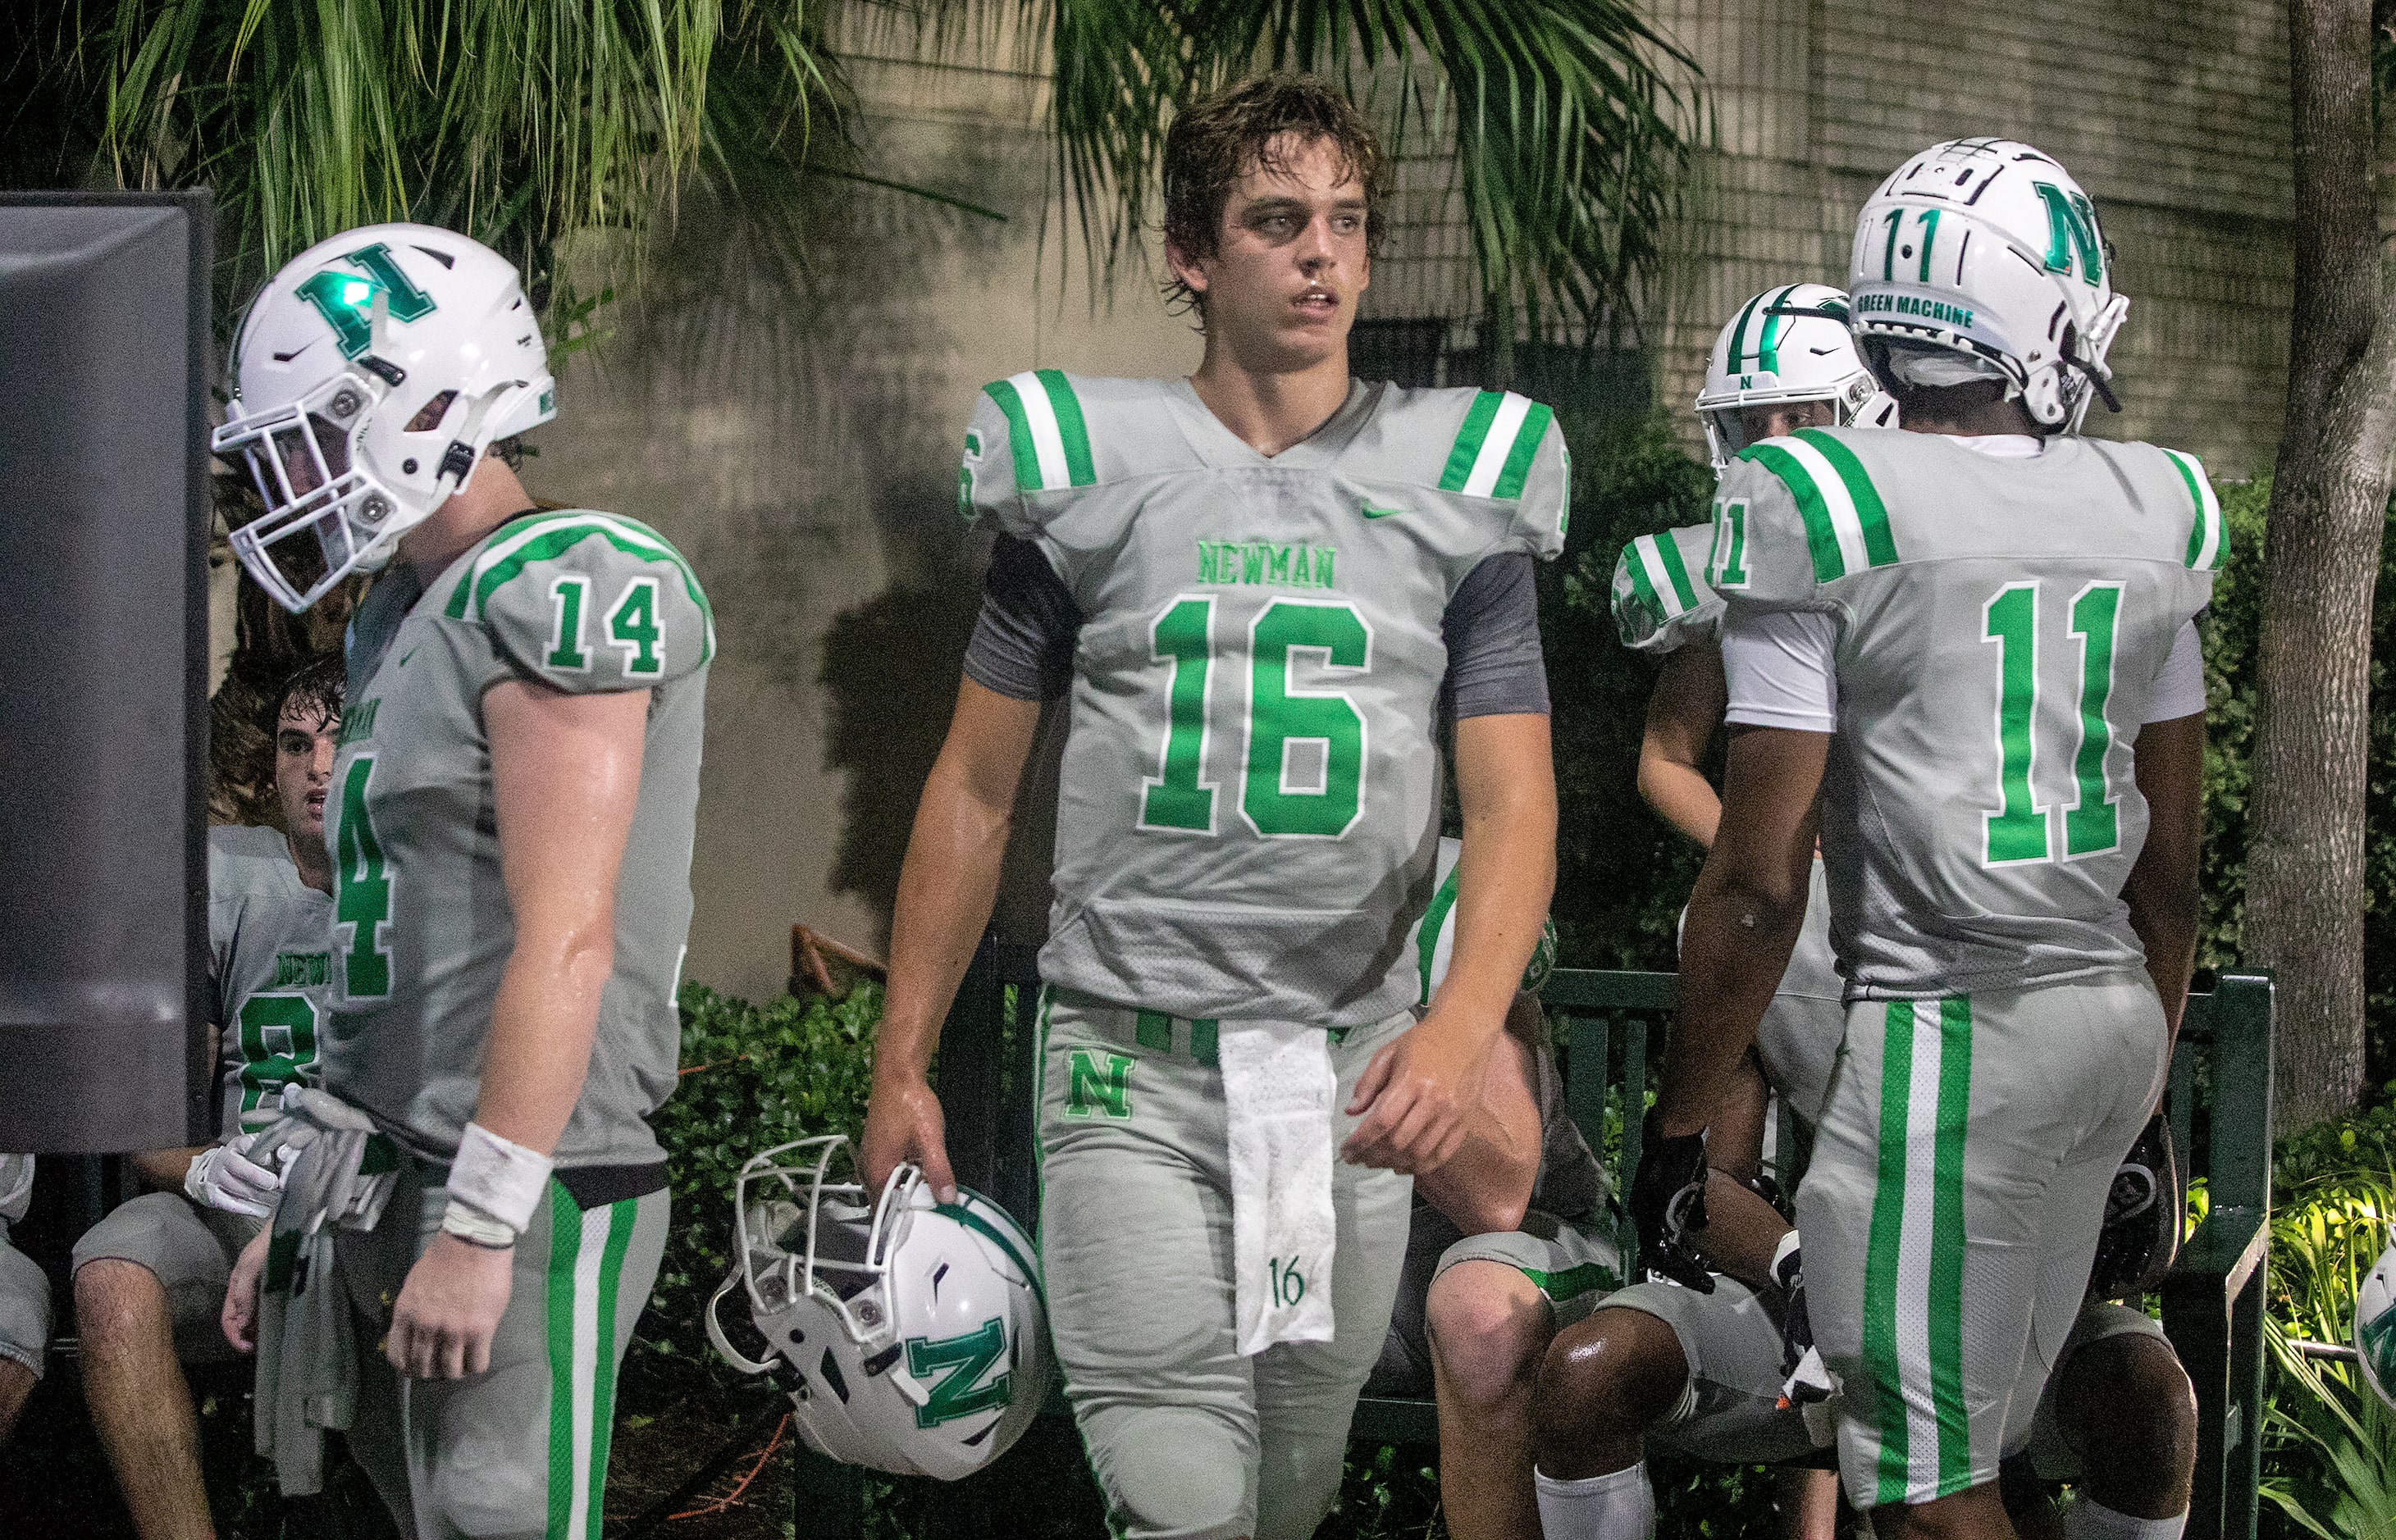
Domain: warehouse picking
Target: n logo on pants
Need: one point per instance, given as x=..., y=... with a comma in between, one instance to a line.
x=1088, y=1088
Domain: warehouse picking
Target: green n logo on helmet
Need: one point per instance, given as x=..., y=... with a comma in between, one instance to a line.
x=2072, y=227
x=2379, y=1345
x=966, y=1358
x=347, y=303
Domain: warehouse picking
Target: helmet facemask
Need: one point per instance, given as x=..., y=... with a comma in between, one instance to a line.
x=371, y=373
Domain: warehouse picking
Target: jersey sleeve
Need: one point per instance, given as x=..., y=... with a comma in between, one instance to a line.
x=1662, y=603
x=588, y=602
x=1509, y=450
x=1774, y=542
x=2208, y=534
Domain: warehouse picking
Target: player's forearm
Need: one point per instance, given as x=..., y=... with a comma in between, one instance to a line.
x=163, y=1170
x=1734, y=946
x=2163, y=887
x=1680, y=794
x=1744, y=917
x=946, y=890
x=1506, y=871
x=1740, y=1232
x=543, y=1022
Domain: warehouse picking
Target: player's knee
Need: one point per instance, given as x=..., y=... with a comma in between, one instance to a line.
x=1488, y=1324
x=1618, y=1373
x=1176, y=1472
x=2129, y=1411
x=117, y=1299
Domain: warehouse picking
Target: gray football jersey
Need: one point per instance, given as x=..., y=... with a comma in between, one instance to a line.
x=1249, y=803
x=2000, y=623
x=421, y=926
x=1662, y=600
x=267, y=940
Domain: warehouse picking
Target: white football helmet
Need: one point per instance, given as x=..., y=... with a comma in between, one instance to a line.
x=1787, y=344
x=909, y=1334
x=369, y=376
x=2375, y=1326
x=1982, y=258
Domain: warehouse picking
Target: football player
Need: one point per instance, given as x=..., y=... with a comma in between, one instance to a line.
x=509, y=821
x=24, y=1299
x=1975, y=640
x=150, y=1277
x=1506, y=1242
x=1264, y=587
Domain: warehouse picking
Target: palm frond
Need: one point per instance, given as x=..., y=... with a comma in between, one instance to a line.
x=516, y=121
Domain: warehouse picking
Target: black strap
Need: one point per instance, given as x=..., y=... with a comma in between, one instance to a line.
x=598, y=1185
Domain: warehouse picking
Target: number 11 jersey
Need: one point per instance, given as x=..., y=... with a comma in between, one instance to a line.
x=1248, y=810
x=2001, y=625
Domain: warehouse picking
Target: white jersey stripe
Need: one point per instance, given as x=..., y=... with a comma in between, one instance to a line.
x=1845, y=521
x=1659, y=577
x=580, y=1522
x=1915, y=1248
x=1497, y=444
x=1047, y=439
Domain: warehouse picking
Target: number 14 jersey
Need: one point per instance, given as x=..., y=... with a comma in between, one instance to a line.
x=1248, y=810
x=2000, y=623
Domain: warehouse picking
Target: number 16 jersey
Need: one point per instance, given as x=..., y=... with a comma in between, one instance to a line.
x=1248, y=809
x=1999, y=628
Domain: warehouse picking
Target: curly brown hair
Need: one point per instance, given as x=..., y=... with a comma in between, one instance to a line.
x=1217, y=140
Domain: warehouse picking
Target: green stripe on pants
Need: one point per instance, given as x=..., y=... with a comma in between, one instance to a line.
x=565, y=1245
x=1946, y=1302
x=1881, y=1265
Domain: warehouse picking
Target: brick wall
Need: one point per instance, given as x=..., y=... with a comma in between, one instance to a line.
x=2173, y=116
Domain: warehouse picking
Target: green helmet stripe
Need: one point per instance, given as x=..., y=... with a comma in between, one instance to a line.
x=1738, y=334
x=1767, y=352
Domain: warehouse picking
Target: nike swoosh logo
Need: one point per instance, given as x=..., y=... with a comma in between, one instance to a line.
x=288, y=357
x=404, y=656
x=1372, y=512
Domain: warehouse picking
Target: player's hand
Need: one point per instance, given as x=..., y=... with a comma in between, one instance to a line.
x=449, y=1309
x=1418, y=1095
x=903, y=1121
x=223, y=1177
x=239, y=1315
x=1668, y=1199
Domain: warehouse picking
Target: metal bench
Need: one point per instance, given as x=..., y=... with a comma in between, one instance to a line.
x=2220, y=1099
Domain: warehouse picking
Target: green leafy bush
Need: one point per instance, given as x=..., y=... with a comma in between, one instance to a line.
x=2329, y=1445
x=752, y=1077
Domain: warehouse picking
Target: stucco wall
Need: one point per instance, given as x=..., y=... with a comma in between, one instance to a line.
x=803, y=450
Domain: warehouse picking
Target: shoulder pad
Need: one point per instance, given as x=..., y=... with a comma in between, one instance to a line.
x=1662, y=603
x=586, y=601
x=1794, y=513
x=2208, y=536
x=1495, y=446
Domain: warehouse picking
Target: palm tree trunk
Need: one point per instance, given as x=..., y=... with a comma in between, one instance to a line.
x=2329, y=498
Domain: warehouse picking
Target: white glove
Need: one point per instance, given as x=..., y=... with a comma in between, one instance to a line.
x=223, y=1177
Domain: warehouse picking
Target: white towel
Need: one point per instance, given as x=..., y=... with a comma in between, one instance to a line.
x=1278, y=1093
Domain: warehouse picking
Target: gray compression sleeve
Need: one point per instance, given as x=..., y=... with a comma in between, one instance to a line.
x=1492, y=628
x=1023, y=645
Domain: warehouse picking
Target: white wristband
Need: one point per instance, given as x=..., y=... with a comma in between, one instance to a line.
x=497, y=1178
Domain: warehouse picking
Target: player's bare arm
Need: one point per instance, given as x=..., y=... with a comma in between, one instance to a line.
x=1743, y=918
x=1487, y=1186
x=1416, y=1095
x=945, y=888
x=565, y=773
x=1682, y=715
x=2162, y=890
